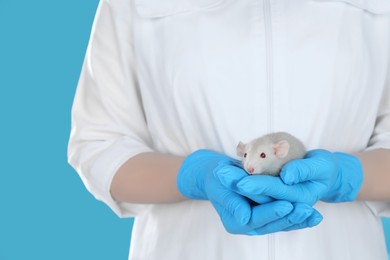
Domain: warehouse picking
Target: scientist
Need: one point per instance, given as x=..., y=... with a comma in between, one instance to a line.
x=167, y=90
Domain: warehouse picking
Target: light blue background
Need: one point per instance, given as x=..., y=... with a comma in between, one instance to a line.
x=46, y=213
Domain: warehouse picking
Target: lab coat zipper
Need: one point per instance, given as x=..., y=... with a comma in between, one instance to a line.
x=269, y=61
x=269, y=79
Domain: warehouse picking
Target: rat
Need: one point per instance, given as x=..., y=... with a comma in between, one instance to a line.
x=268, y=154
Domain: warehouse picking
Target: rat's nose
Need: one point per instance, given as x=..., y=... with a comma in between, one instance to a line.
x=251, y=170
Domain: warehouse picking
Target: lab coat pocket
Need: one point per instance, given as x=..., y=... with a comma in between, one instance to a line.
x=371, y=6
x=162, y=8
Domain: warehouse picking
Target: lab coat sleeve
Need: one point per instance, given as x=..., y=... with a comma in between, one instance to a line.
x=381, y=139
x=108, y=122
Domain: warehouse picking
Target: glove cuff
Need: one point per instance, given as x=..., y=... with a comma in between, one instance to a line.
x=349, y=180
x=193, y=171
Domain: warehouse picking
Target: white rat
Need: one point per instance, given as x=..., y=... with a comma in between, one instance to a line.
x=268, y=154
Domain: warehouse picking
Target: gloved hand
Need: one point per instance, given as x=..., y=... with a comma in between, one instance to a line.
x=321, y=175
x=197, y=179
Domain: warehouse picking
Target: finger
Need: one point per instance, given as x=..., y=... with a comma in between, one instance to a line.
x=229, y=175
x=256, y=187
x=314, y=166
x=269, y=212
x=311, y=221
x=230, y=161
x=300, y=213
x=230, y=223
x=235, y=204
x=237, y=163
x=260, y=185
x=258, y=199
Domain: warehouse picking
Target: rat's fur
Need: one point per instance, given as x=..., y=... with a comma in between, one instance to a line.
x=279, y=149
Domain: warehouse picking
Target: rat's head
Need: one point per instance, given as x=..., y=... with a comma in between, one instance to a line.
x=262, y=158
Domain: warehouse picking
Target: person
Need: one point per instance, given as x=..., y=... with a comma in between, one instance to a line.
x=168, y=89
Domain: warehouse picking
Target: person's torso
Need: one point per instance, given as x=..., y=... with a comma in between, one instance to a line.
x=214, y=72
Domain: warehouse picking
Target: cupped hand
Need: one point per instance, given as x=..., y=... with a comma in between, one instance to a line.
x=321, y=175
x=197, y=179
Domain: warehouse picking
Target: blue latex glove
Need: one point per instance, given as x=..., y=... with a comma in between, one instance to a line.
x=321, y=175
x=197, y=179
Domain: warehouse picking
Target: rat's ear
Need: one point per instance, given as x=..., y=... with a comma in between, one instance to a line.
x=281, y=149
x=240, y=149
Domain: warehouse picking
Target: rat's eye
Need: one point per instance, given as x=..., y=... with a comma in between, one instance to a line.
x=244, y=155
x=263, y=155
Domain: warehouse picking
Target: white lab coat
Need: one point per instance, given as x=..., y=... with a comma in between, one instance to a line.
x=174, y=76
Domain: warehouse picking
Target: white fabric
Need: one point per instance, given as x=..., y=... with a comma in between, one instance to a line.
x=174, y=76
